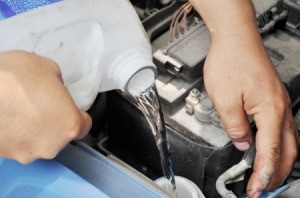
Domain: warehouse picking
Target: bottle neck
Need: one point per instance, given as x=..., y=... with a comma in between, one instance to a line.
x=140, y=81
x=132, y=71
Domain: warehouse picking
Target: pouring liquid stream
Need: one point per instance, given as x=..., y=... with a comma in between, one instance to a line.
x=149, y=104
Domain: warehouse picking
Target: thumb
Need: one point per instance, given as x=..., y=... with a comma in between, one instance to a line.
x=236, y=125
x=86, y=125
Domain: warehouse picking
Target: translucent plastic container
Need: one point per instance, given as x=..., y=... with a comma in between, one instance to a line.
x=78, y=171
x=184, y=188
x=98, y=44
x=43, y=178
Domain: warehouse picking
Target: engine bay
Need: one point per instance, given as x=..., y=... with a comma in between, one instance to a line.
x=199, y=147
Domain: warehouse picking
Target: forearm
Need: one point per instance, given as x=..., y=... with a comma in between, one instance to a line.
x=232, y=25
x=229, y=19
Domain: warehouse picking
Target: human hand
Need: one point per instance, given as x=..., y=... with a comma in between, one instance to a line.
x=37, y=116
x=241, y=80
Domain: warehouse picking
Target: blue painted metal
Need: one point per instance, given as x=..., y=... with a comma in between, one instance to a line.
x=9, y=8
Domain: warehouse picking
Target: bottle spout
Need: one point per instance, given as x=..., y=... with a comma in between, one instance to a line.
x=132, y=71
x=141, y=81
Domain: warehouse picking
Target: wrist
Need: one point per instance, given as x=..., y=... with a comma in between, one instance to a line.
x=238, y=38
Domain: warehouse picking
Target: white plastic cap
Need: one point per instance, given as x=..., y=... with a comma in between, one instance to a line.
x=184, y=188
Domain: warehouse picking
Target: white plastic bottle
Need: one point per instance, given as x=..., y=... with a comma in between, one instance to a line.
x=99, y=45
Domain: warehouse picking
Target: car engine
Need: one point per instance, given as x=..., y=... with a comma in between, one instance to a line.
x=199, y=147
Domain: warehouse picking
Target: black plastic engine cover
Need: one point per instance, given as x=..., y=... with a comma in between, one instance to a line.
x=131, y=140
x=293, y=19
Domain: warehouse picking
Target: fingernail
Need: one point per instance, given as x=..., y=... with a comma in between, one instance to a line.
x=242, y=146
x=257, y=194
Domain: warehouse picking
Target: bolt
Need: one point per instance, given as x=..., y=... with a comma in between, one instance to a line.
x=195, y=93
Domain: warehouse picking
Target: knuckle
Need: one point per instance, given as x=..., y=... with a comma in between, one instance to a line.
x=73, y=128
x=50, y=65
x=56, y=69
x=279, y=105
x=237, y=133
